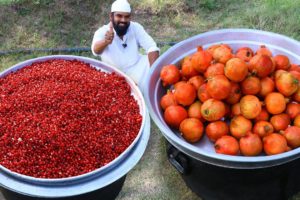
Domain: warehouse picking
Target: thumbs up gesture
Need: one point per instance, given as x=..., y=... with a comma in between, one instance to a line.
x=109, y=35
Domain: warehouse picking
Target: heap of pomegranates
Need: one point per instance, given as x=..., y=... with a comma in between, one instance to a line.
x=246, y=102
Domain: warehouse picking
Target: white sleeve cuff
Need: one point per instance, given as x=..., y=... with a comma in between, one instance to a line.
x=151, y=49
x=94, y=53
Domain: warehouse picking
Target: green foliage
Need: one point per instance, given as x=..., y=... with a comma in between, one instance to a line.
x=177, y=6
x=276, y=16
x=6, y=2
x=56, y=23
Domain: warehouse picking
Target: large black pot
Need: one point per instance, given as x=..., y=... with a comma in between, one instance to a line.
x=214, y=182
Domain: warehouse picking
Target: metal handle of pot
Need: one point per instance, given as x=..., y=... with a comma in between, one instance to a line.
x=178, y=160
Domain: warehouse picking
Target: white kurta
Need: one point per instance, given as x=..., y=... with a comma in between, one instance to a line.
x=128, y=59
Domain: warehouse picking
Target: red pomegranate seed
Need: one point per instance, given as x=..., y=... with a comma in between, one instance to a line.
x=62, y=118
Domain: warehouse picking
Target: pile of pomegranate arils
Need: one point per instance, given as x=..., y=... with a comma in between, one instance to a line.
x=246, y=102
x=62, y=118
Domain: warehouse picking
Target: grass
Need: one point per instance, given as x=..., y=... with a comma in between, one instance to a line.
x=60, y=23
x=50, y=23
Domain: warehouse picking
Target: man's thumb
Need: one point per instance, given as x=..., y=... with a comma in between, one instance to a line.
x=110, y=27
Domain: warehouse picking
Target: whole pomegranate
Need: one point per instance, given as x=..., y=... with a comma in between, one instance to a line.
x=169, y=74
x=261, y=65
x=167, y=100
x=275, y=103
x=274, y=144
x=251, y=145
x=236, y=69
x=185, y=93
x=227, y=145
x=263, y=128
x=196, y=81
x=292, y=135
x=191, y=129
x=201, y=60
x=217, y=129
x=282, y=62
x=174, y=115
x=240, y=126
x=250, y=106
x=218, y=87
x=213, y=110
x=194, y=111
x=251, y=85
x=292, y=109
x=286, y=83
x=214, y=69
x=234, y=94
x=222, y=53
x=244, y=53
x=187, y=68
x=267, y=86
x=280, y=121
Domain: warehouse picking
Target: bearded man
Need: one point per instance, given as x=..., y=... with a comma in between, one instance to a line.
x=118, y=43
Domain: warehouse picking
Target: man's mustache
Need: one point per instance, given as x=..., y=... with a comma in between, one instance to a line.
x=123, y=23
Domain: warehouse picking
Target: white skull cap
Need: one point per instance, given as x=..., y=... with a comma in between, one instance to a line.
x=121, y=6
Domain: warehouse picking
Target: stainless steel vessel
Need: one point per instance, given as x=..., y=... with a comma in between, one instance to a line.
x=215, y=176
x=236, y=38
x=105, y=182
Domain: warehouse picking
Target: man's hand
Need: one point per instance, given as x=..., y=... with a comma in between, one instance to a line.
x=109, y=35
x=152, y=56
x=100, y=45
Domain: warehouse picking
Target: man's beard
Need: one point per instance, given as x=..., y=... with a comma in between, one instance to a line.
x=121, y=30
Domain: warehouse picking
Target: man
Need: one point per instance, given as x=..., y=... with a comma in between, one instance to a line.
x=118, y=42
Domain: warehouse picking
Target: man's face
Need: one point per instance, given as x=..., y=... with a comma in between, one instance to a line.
x=121, y=22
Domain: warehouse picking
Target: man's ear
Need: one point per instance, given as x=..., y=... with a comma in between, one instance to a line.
x=111, y=15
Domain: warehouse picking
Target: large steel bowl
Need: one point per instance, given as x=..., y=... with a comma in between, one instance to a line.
x=92, y=181
x=204, y=150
